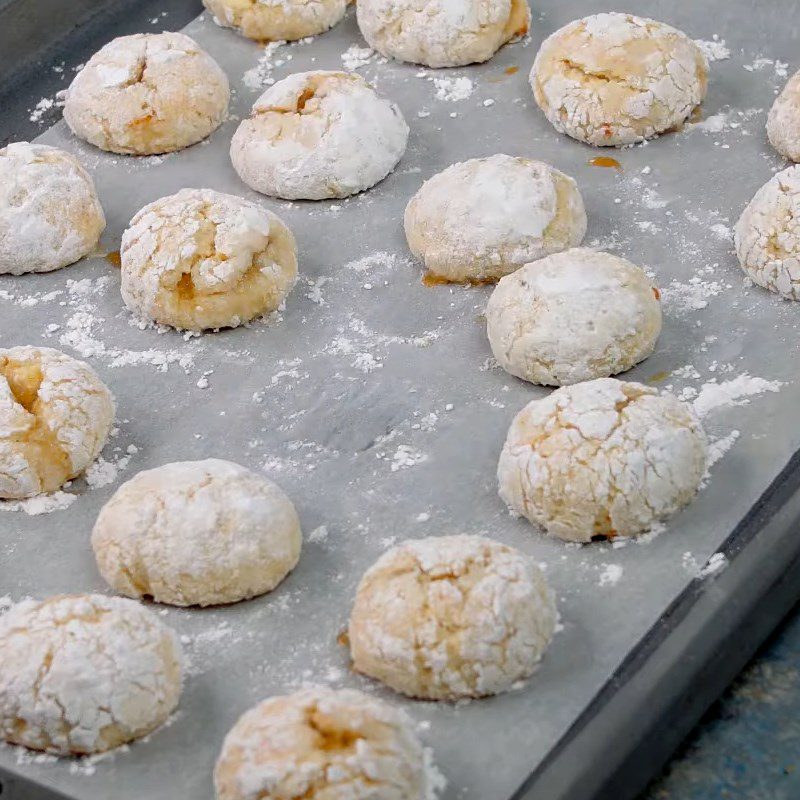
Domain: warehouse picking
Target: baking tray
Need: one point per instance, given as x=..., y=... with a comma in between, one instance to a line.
x=372, y=400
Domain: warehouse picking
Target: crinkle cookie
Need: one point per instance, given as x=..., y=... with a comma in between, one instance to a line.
x=82, y=674
x=783, y=123
x=573, y=316
x=615, y=79
x=603, y=458
x=55, y=417
x=200, y=259
x=277, y=20
x=50, y=215
x=481, y=219
x=197, y=533
x=438, y=33
x=147, y=93
x=322, y=744
x=767, y=235
x=318, y=135
x=451, y=617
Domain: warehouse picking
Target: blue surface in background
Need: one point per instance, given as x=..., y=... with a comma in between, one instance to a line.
x=748, y=745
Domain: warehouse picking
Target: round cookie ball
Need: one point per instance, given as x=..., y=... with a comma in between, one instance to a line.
x=197, y=533
x=451, y=617
x=783, y=122
x=200, y=259
x=573, y=316
x=615, y=79
x=441, y=34
x=602, y=458
x=481, y=219
x=767, y=235
x=50, y=215
x=147, y=93
x=55, y=417
x=83, y=674
x=322, y=744
x=277, y=20
x=317, y=136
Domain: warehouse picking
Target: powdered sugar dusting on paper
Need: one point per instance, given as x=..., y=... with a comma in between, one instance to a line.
x=717, y=448
x=436, y=782
x=737, y=391
x=610, y=574
x=103, y=472
x=82, y=328
x=692, y=295
x=272, y=57
x=378, y=260
x=41, y=504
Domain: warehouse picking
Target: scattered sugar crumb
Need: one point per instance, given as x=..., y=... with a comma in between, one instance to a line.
x=453, y=89
x=716, y=123
x=103, y=472
x=689, y=562
x=781, y=68
x=714, y=564
x=366, y=362
x=261, y=74
x=356, y=56
x=319, y=534
x=41, y=108
x=713, y=49
x=405, y=457
x=610, y=575
x=721, y=231
x=314, y=293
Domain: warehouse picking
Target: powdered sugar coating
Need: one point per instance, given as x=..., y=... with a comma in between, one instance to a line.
x=486, y=217
x=319, y=135
x=614, y=79
x=441, y=33
x=147, y=93
x=783, y=122
x=602, y=458
x=200, y=259
x=55, y=417
x=767, y=235
x=451, y=616
x=197, y=533
x=277, y=20
x=322, y=744
x=573, y=316
x=50, y=215
x=85, y=673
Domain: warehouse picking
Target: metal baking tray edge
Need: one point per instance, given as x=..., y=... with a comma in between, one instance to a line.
x=723, y=620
